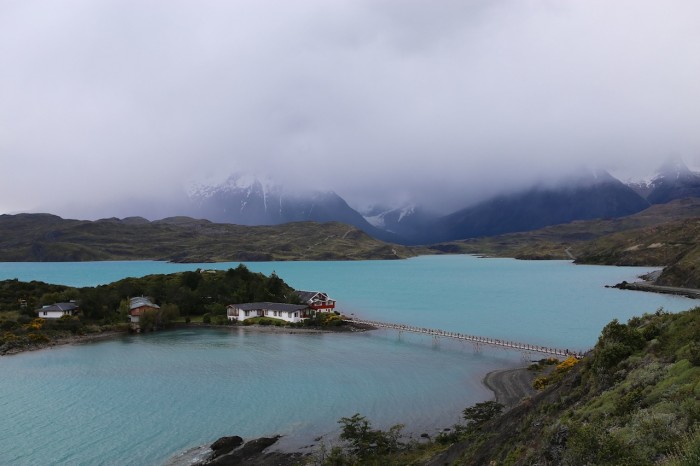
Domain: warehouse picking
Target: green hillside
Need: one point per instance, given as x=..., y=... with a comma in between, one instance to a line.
x=675, y=245
x=48, y=238
x=554, y=241
x=633, y=400
x=666, y=235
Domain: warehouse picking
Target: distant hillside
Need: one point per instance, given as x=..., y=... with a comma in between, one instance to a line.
x=48, y=238
x=675, y=244
x=662, y=235
x=552, y=242
x=597, y=195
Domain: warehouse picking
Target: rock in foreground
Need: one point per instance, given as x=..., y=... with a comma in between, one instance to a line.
x=231, y=451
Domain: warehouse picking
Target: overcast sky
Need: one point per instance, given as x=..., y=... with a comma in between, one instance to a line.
x=436, y=101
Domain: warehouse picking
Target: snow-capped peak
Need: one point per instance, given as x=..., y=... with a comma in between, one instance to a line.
x=244, y=183
x=382, y=216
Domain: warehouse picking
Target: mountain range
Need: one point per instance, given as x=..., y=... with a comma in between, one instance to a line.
x=246, y=200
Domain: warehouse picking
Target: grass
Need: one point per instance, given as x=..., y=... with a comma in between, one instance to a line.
x=663, y=235
x=42, y=237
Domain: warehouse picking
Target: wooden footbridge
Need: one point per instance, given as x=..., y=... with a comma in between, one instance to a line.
x=436, y=333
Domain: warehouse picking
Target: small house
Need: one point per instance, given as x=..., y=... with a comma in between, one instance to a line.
x=317, y=300
x=58, y=310
x=287, y=312
x=137, y=306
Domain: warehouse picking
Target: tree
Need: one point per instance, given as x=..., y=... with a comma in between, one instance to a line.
x=168, y=313
x=482, y=412
x=365, y=441
x=191, y=279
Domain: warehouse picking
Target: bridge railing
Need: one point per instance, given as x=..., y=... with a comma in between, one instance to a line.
x=466, y=337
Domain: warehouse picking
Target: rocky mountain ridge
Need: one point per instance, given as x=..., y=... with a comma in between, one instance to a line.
x=248, y=200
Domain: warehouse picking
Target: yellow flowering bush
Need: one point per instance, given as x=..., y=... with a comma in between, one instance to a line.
x=540, y=383
x=567, y=364
x=35, y=324
x=557, y=374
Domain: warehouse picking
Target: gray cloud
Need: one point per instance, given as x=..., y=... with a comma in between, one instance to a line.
x=443, y=102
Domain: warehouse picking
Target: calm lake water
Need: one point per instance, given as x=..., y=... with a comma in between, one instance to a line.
x=142, y=399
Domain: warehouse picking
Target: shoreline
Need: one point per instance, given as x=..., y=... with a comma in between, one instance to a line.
x=92, y=337
x=72, y=340
x=510, y=386
x=649, y=287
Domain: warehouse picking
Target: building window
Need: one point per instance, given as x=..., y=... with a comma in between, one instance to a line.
x=247, y=313
x=46, y=313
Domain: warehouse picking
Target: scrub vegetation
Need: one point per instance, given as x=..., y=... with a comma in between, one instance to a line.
x=48, y=238
x=634, y=399
x=665, y=235
x=193, y=295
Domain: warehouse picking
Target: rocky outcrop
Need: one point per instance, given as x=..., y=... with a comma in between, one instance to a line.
x=231, y=451
x=225, y=445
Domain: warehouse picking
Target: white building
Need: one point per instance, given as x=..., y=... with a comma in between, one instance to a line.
x=287, y=312
x=58, y=310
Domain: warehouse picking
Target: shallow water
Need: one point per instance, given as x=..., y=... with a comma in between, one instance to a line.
x=141, y=399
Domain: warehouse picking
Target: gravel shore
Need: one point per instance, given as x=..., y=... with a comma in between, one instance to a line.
x=78, y=339
x=71, y=340
x=511, y=385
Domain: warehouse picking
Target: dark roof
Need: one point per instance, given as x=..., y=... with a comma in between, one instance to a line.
x=61, y=307
x=308, y=295
x=269, y=307
x=141, y=301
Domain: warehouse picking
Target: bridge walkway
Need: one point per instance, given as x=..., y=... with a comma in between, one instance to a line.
x=526, y=347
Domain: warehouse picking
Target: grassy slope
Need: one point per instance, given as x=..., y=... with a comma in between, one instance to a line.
x=663, y=235
x=675, y=244
x=552, y=242
x=41, y=237
x=633, y=400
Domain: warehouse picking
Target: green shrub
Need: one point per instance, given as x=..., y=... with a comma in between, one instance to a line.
x=38, y=338
x=220, y=320
x=8, y=325
x=686, y=452
x=366, y=442
x=206, y=318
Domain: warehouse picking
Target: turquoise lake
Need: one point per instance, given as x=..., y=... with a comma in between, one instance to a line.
x=143, y=399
